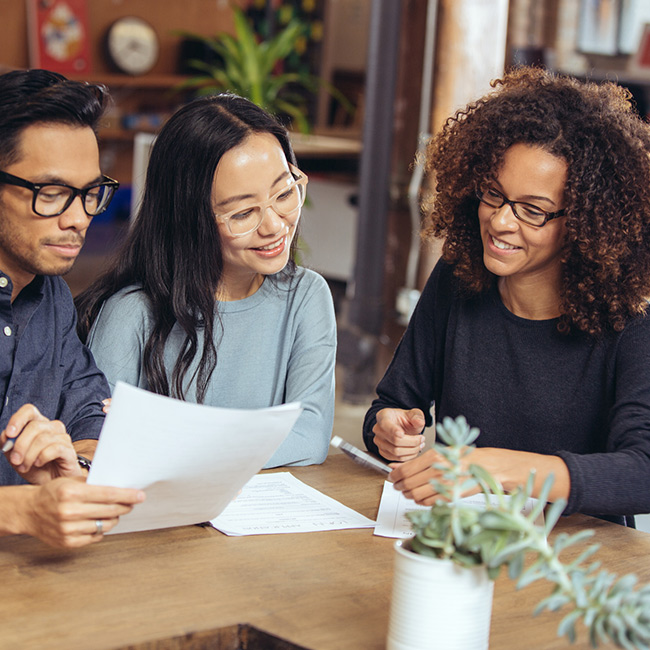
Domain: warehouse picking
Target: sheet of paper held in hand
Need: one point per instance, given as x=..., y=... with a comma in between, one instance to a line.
x=280, y=503
x=190, y=459
x=392, y=520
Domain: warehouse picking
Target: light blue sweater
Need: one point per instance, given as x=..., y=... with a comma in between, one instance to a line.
x=276, y=346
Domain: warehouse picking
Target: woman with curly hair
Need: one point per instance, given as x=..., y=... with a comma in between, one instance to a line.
x=533, y=325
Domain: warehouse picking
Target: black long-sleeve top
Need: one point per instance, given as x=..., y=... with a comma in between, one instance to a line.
x=528, y=387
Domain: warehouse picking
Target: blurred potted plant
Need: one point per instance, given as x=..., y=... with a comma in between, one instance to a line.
x=471, y=544
x=251, y=66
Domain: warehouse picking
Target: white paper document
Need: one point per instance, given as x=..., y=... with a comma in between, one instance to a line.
x=393, y=522
x=280, y=503
x=190, y=459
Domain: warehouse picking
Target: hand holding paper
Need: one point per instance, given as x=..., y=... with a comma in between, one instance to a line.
x=190, y=459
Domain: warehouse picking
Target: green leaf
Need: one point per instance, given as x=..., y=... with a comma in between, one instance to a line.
x=563, y=540
x=530, y=575
x=499, y=520
x=466, y=559
x=422, y=549
x=552, y=603
x=281, y=45
x=641, y=632
x=553, y=514
x=431, y=542
x=597, y=632
x=249, y=60
x=567, y=625
x=298, y=116
x=542, y=498
x=493, y=572
x=623, y=585
x=614, y=625
x=588, y=552
x=510, y=551
x=230, y=49
x=457, y=530
x=486, y=478
x=518, y=501
x=516, y=565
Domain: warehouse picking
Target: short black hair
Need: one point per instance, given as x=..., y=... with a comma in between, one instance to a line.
x=29, y=97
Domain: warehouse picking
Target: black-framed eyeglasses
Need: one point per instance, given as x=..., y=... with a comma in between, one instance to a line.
x=526, y=212
x=287, y=202
x=53, y=199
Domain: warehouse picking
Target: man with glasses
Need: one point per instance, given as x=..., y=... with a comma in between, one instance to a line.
x=50, y=388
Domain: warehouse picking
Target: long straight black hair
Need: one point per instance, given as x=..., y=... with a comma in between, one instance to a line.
x=173, y=251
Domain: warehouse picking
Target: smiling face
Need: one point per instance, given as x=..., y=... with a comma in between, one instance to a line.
x=250, y=173
x=29, y=244
x=513, y=249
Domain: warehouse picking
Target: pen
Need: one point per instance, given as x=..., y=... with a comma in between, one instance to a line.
x=359, y=456
x=9, y=445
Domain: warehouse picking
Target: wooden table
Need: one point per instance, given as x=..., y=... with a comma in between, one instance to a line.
x=324, y=591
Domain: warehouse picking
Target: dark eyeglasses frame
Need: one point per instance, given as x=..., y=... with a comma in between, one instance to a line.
x=513, y=205
x=107, y=181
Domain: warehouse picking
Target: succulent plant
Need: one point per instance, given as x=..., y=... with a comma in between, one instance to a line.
x=502, y=535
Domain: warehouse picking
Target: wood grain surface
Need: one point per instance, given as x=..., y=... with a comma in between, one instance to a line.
x=324, y=591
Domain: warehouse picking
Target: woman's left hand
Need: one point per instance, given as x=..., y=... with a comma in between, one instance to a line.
x=511, y=468
x=414, y=477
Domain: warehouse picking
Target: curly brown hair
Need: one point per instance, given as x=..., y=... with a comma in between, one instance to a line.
x=595, y=129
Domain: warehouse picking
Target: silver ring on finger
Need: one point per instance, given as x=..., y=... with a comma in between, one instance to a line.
x=99, y=527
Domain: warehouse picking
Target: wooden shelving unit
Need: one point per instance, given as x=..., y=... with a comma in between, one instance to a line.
x=141, y=103
x=115, y=80
x=132, y=94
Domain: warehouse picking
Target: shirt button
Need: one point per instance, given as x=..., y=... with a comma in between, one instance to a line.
x=7, y=330
x=3, y=282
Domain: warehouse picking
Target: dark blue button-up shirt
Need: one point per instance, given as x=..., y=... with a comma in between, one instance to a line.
x=43, y=362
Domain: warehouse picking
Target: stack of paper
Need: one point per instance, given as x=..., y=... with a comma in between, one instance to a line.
x=280, y=503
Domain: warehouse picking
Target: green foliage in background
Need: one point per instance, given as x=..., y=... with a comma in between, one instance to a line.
x=501, y=535
x=252, y=67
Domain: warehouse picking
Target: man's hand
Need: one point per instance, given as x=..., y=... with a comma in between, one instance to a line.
x=65, y=511
x=42, y=448
x=398, y=433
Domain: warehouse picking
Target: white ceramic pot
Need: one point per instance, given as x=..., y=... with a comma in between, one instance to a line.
x=437, y=604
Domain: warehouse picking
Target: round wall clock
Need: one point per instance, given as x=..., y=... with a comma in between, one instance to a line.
x=132, y=45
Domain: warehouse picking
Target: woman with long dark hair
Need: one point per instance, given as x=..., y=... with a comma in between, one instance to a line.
x=534, y=325
x=204, y=301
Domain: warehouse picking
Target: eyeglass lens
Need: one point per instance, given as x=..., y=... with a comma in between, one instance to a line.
x=524, y=211
x=285, y=203
x=51, y=200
